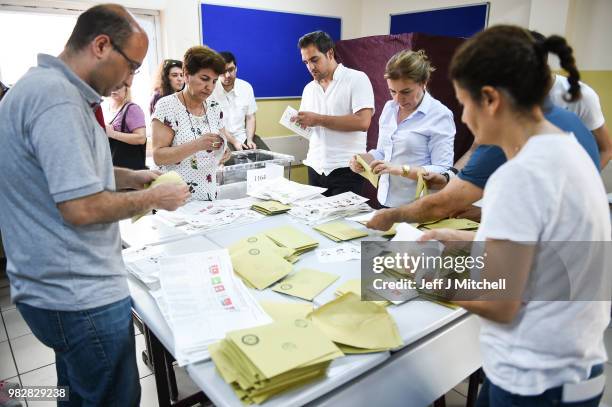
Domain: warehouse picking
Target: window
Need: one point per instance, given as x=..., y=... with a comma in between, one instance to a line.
x=29, y=31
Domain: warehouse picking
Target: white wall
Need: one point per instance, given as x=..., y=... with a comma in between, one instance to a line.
x=589, y=30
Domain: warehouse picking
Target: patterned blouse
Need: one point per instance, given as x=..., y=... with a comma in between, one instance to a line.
x=199, y=171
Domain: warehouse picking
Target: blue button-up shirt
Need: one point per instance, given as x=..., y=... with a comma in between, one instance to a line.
x=424, y=139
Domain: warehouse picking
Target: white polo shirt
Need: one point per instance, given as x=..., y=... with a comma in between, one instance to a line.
x=349, y=91
x=236, y=105
x=587, y=108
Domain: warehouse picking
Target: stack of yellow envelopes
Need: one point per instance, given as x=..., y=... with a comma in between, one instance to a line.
x=269, y=208
x=260, y=262
x=288, y=236
x=357, y=326
x=340, y=231
x=263, y=361
x=305, y=283
x=354, y=286
x=367, y=173
x=451, y=223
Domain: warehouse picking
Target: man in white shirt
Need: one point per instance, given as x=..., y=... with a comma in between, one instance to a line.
x=588, y=109
x=338, y=104
x=238, y=104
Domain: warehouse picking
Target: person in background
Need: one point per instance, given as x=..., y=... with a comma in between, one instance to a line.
x=416, y=132
x=338, y=105
x=535, y=351
x=168, y=80
x=238, y=105
x=187, y=125
x=69, y=281
x=126, y=131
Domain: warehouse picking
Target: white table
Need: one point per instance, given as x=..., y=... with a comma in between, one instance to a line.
x=441, y=345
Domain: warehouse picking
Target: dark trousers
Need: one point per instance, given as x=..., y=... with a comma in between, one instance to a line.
x=95, y=353
x=338, y=181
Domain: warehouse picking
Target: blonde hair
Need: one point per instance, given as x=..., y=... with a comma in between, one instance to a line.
x=408, y=64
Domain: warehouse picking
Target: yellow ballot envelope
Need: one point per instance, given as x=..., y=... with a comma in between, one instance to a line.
x=171, y=177
x=270, y=208
x=286, y=310
x=359, y=324
x=354, y=286
x=452, y=223
x=367, y=173
x=260, y=268
x=339, y=231
x=290, y=237
x=421, y=189
x=305, y=283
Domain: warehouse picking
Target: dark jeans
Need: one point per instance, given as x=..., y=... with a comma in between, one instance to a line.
x=338, y=181
x=495, y=396
x=95, y=353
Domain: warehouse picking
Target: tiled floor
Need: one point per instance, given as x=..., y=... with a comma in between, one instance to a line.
x=25, y=360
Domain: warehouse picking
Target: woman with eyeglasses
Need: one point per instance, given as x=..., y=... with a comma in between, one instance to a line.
x=545, y=228
x=168, y=80
x=187, y=125
x=126, y=130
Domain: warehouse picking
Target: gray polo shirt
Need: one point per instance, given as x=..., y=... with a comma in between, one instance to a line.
x=53, y=150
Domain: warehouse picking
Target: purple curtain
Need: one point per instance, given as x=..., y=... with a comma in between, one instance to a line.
x=370, y=55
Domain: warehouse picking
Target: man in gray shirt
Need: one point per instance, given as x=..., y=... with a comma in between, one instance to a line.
x=60, y=205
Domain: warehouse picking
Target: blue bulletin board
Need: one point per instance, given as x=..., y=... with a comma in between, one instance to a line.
x=463, y=21
x=265, y=45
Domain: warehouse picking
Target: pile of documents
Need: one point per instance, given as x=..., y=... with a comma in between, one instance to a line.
x=292, y=238
x=305, y=283
x=143, y=263
x=269, y=208
x=329, y=208
x=357, y=326
x=339, y=253
x=340, y=231
x=202, y=301
x=284, y=190
x=267, y=360
x=260, y=262
x=367, y=173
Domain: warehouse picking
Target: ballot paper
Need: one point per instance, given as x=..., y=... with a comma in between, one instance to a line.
x=194, y=208
x=204, y=301
x=143, y=263
x=285, y=120
x=305, y=283
x=171, y=177
x=339, y=253
x=329, y=208
x=407, y=233
x=367, y=173
x=284, y=190
x=357, y=324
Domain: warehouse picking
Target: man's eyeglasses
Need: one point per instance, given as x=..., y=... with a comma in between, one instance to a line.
x=134, y=66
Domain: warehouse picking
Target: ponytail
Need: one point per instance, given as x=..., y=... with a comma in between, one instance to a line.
x=559, y=46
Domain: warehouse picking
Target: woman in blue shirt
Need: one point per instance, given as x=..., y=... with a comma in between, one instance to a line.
x=416, y=131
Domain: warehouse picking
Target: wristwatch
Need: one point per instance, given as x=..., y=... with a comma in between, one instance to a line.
x=405, y=170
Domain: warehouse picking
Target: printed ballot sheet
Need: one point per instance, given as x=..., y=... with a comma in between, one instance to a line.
x=204, y=301
x=329, y=208
x=285, y=120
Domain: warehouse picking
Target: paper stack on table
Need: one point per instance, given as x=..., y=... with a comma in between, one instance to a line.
x=284, y=190
x=285, y=120
x=267, y=360
x=204, y=301
x=269, y=208
x=340, y=231
x=357, y=326
x=264, y=244
x=305, y=283
x=288, y=236
x=329, y=208
x=195, y=208
x=143, y=263
x=260, y=267
x=367, y=173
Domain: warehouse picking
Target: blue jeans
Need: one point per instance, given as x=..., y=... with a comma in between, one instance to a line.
x=495, y=396
x=95, y=353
